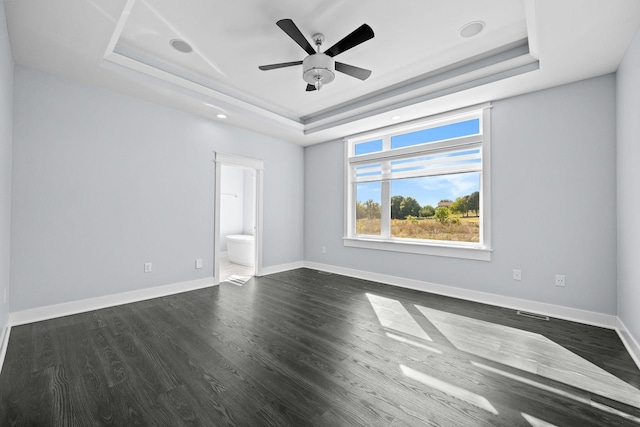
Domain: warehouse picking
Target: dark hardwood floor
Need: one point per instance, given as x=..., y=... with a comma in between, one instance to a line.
x=302, y=348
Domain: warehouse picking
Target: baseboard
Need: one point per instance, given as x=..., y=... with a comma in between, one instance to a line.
x=629, y=341
x=559, y=312
x=280, y=268
x=81, y=306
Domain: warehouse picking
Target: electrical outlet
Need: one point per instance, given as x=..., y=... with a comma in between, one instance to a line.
x=560, y=280
x=517, y=274
x=199, y=263
x=147, y=267
x=324, y=250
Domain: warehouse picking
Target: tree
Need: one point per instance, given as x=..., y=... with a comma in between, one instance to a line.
x=460, y=206
x=361, y=211
x=409, y=207
x=396, y=207
x=474, y=202
x=368, y=209
x=372, y=209
x=442, y=214
x=427, y=211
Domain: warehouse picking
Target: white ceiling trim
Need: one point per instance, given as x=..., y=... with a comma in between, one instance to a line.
x=124, y=46
x=477, y=72
x=488, y=67
x=127, y=65
x=164, y=78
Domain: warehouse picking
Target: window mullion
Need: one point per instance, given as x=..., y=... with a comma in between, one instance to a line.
x=385, y=220
x=385, y=209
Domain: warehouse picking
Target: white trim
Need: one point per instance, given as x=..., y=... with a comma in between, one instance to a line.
x=559, y=312
x=281, y=267
x=124, y=17
x=480, y=251
x=217, y=195
x=150, y=73
x=257, y=166
x=90, y=304
x=466, y=252
x=629, y=341
x=462, y=143
x=240, y=161
x=485, y=180
x=258, y=223
x=532, y=28
x=4, y=343
x=440, y=119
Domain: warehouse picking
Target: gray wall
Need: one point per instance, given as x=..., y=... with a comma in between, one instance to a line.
x=553, y=202
x=103, y=182
x=6, y=124
x=628, y=113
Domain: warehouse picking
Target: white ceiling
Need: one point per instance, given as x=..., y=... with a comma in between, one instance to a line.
x=420, y=64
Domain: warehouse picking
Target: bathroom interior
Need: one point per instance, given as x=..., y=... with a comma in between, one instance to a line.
x=237, y=224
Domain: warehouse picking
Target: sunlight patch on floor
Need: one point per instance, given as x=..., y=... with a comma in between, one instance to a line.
x=450, y=389
x=392, y=315
x=529, y=352
x=237, y=280
x=555, y=390
x=231, y=270
x=413, y=343
x=536, y=422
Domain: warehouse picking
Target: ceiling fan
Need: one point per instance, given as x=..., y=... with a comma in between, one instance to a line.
x=319, y=68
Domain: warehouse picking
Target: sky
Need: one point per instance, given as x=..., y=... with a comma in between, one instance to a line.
x=426, y=190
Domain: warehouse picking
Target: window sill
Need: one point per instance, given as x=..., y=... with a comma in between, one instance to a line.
x=465, y=252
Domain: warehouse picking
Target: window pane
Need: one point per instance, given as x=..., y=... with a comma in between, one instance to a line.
x=416, y=214
x=368, y=204
x=455, y=130
x=368, y=147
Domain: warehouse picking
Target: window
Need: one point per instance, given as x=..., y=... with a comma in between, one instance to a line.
x=422, y=187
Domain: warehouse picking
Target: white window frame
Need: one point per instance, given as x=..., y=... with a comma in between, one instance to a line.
x=476, y=251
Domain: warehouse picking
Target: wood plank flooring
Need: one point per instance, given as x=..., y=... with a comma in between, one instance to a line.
x=303, y=348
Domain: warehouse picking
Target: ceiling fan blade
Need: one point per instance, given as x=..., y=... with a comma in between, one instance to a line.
x=280, y=65
x=360, y=35
x=292, y=31
x=357, y=72
x=310, y=88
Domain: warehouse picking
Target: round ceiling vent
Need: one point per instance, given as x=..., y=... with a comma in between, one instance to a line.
x=472, y=29
x=181, y=46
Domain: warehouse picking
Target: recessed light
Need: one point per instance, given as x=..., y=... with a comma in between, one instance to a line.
x=396, y=118
x=221, y=116
x=472, y=28
x=181, y=46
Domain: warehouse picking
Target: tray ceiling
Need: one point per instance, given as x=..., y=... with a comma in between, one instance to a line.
x=420, y=62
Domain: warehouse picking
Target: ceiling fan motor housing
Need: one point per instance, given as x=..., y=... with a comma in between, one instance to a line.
x=318, y=67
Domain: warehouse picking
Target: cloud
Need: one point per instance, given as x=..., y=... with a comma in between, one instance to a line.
x=427, y=190
x=435, y=188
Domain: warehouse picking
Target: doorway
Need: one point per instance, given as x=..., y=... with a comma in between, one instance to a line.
x=238, y=218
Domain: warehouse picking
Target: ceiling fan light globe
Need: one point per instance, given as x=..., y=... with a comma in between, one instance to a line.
x=318, y=67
